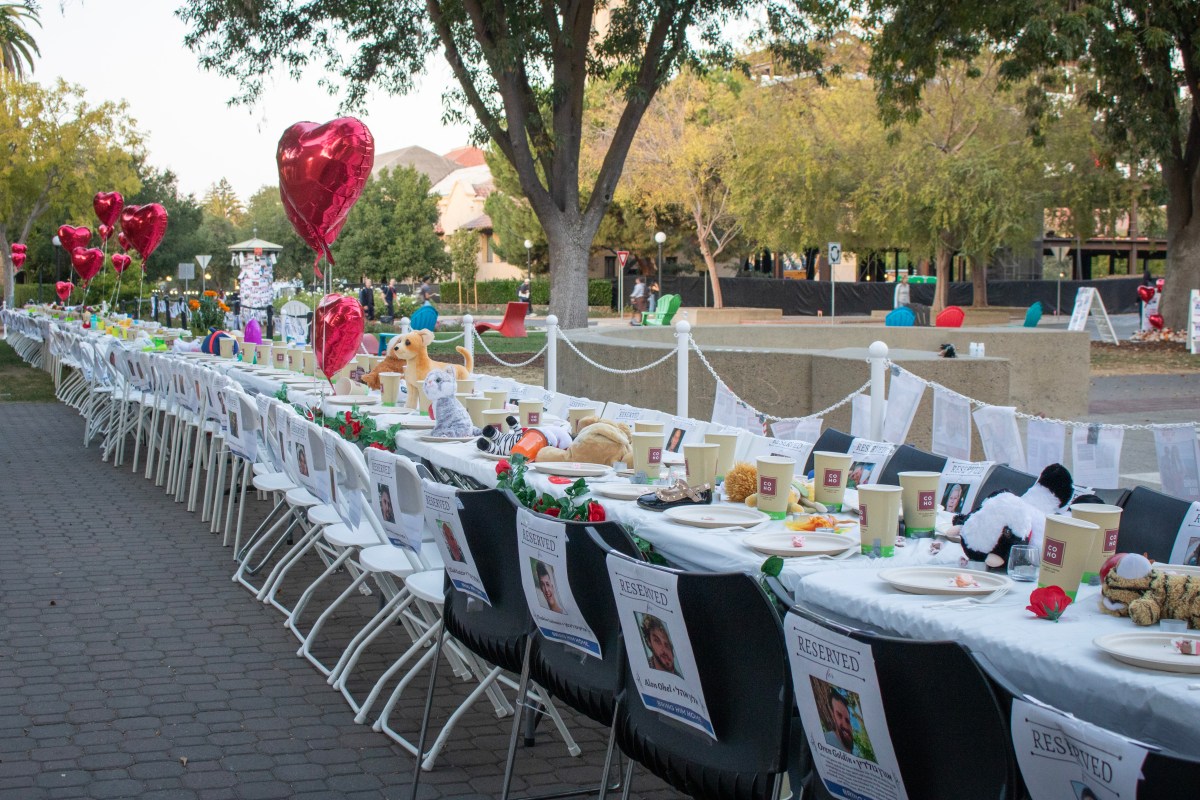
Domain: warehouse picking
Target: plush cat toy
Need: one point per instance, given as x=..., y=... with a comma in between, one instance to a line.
x=491, y=440
x=1131, y=587
x=452, y=419
x=1004, y=519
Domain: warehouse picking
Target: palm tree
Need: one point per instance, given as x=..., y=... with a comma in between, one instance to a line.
x=17, y=47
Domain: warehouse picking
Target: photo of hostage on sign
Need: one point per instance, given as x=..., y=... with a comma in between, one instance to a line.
x=841, y=719
x=656, y=640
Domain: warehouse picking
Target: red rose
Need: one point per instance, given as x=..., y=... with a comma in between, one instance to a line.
x=595, y=512
x=342, y=430
x=551, y=512
x=503, y=467
x=1049, y=602
x=377, y=446
x=356, y=427
x=347, y=416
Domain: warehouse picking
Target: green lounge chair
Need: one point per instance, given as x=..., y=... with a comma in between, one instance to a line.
x=663, y=312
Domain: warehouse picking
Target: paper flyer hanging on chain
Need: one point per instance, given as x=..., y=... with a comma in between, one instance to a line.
x=1187, y=538
x=1178, y=461
x=657, y=644
x=542, y=548
x=385, y=493
x=860, y=415
x=1045, y=444
x=867, y=460
x=1000, y=435
x=441, y=515
x=733, y=413
x=960, y=483
x=806, y=429
x=951, y=425
x=1064, y=758
x=1096, y=456
x=841, y=709
x=904, y=395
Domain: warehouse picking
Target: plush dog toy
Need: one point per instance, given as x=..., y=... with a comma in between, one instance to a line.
x=1004, y=519
x=1131, y=587
x=411, y=352
x=599, y=441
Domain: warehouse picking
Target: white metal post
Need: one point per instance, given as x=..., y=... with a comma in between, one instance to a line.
x=878, y=355
x=551, y=353
x=682, y=340
x=468, y=324
x=832, y=293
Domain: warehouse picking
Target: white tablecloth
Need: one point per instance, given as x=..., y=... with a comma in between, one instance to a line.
x=1055, y=662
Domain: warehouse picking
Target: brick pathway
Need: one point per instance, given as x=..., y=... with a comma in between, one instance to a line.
x=132, y=667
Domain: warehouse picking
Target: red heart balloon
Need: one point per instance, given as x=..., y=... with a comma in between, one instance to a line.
x=322, y=171
x=87, y=262
x=107, y=206
x=17, y=247
x=1158, y=284
x=105, y=231
x=144, y=227
x=63, y=289
x=1146, y=293
x=123, y=240
x=74, y=237
x=1156, y=321
x=338, y=326
x=18, y=259
x=121, y=262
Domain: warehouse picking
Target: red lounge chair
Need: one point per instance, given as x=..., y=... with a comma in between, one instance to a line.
x=951, y=317
x=513, y=324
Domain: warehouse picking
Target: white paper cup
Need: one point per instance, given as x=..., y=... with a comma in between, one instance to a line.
x=647, y=454
x=498, y=398
x=1108, y=519
x=264, y=354
x=829, y=478
x=879, y=517
x=496, y=417
x=1065, y=552
x=775, y=484
x=389, y=383
x=466, y=385
x=727, y=442
x=641, y=426
x=574, y=415
x=919, y=502
x=700, y=463
x=531, y=413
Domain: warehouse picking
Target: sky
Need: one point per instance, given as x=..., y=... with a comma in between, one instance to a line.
x=133, y=50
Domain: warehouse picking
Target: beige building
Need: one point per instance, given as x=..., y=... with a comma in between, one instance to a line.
x=462, y=182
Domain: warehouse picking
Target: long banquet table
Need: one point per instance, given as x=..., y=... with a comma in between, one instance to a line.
x=1054, y=662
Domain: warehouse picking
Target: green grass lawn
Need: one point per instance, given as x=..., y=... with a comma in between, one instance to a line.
x=21, y=383
x=498, y=344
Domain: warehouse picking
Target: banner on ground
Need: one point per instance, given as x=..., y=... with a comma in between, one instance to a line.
x=442, y=517
x=542, y=547
x=951, y=425
x=657, y=643
x=841, y=709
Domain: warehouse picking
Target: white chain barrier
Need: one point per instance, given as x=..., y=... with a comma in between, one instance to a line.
x=450, y=339
x=563, y=336
x=499, y=360
x=1022, y=415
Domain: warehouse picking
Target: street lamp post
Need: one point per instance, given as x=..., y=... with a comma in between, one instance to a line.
x=660, y=237
x=1058, y=302
x=529, y=265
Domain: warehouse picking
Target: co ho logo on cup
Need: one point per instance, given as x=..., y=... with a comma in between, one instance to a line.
x=1054, y=552
x=833, y=477
x=862, y=516
x=1110, y=540
x=655, y=455
x=926, y=501
x=534, y=417
x=766, y=486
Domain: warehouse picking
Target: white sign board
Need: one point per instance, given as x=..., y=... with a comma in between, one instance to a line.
x=1187, y=539
x=1194, y=321
x=442, y=517
x=835, y=253
x=951, y=425
x=1178, y=461
x=384, y=490
x=807, y=429
x=203, y=261
x=1045, y=444
x=657, y=644
x=841, y=708
x=1000, y=436
x=795, y=449
x=904, y=395
x=1083, y=307
x=187, y=271
x=960, y=483
x=867, y=459
x=1096, y=456
x=542, y=547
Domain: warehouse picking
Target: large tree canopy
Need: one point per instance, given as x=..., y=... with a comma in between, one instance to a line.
x=521, y=70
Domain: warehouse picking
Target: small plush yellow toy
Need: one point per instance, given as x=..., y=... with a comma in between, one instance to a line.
x=740, y=482
x=794, y=506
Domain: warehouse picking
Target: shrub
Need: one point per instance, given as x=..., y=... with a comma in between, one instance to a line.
x=501, y=291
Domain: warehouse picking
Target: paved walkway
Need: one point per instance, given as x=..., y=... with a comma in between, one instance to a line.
x=132, y=667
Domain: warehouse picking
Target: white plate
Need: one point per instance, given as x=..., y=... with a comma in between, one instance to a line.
x=1177, y=569
x=572, y=469
x=940, y=580
x=815, y=544
x=353, y=400
x=492, y=456
x=417, y=423
x=621, y=491
x=388, y=411
x=445, y=439
x=708, y=516
x=1150, y=649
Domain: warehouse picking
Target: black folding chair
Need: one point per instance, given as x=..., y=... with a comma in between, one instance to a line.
x=909, y=459
x=1150, y=522
x=832, y=441
x=741, y=656
x=1003, y=478
x=1165, y=774
x=946, y=750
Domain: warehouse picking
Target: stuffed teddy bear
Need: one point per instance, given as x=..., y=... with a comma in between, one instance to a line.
x=390, y=363
x=1003, y=520
x=412, y=351
x=599, y=441
x=491, y=440
x=1131, y=587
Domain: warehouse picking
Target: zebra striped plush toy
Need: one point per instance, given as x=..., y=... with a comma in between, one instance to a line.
x=501, y=444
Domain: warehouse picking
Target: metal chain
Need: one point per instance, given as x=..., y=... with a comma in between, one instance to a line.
x=496, y=358
x=763, y=415
x=453, y=338
x=1069, y=423
x=599, y=366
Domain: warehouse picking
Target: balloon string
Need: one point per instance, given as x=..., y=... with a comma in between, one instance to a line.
x=141, y=283
x=317, y=269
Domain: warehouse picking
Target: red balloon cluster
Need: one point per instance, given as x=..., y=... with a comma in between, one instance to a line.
x=16, y=252
x=322, y=171
x=1145, y=293
x=338, y=326
x=87, y=261
x=71, y=237
x=143, y=228
x=63, y=289
x=121, y=262
x=107, y=206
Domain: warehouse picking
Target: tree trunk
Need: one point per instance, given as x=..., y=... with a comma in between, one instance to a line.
x=569, y=278
x=941, y=292
x=6, y=269
x=979, y=283
x=1183, y=241
x=711, y=263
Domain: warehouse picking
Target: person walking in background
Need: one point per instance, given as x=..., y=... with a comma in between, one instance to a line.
x=389, y=297
x=652, y=299
x=523, y=296
x=424, y=292
x=366, y=296
x=637, y=298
